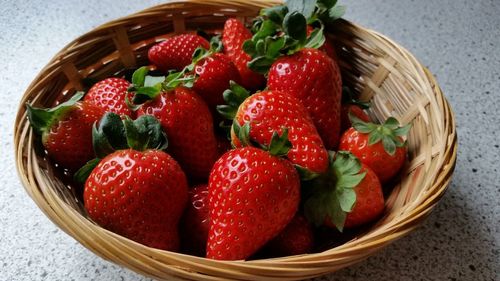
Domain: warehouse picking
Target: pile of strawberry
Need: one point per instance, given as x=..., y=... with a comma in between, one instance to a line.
x=246, y=143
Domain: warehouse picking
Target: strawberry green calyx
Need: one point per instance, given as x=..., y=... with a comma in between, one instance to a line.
x=331, y=195
x=348, y=98
x=115, y=133
x=234, y=96
x=389, y=133
x=282, y=30
x=42, y=119
x=278, y=145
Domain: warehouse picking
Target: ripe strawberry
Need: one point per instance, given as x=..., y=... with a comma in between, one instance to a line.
x=348, y=196
x=195, y=222
x=66, y=130
x=175, y=52
x=312, y=77
x=380, y=147
x=213, y=75
x=353, y=106
x=138, y=192
x=109, y=94
x=296, y=239
x=188, y=123
x=233, y=36
x=369, y=200
x=252, y=196
x=270, y=112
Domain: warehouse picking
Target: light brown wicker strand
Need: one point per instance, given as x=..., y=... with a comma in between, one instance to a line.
x=372, y=64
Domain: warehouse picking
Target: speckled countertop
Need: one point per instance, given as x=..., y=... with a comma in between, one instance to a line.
x=458, y=40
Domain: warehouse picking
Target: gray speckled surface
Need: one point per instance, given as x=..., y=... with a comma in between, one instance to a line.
x=458, y=40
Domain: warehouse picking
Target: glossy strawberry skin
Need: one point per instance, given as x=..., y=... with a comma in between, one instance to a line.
x=374, y=156
x=214, y=74
x=195, y=221
x=354, y=109
x=69, y=141
x=176, y=52
x=296, y=239
x=188, y=123
x=109, y=94
x=139, y=195
x=312, y=77
x=252, y=197
x=369, y=201
x=271, y=111
x=234, y=35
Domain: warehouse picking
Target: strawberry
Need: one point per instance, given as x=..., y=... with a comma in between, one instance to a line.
x=349, y=195
x=138, y=192
x=252, y=196
x=110, y=94
x=213, y=75
x=175, y=52
x=233, y=36
x=269, y=112
x=195, y=222
x=312, y=77
x=296, y=239
x=353, y=106
x=185, y=118
x=380, y=147
x=66, y=130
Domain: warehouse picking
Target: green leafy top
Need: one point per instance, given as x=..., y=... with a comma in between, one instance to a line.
x=114, y=134
x=42, y=119
x=331, y=195
x=234, y=96
x=149, y=87
x=389, y=132
x=278, y=145
x=282, y=30
x=348, y=98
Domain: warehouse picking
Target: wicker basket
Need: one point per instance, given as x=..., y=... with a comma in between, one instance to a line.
x=373, y=65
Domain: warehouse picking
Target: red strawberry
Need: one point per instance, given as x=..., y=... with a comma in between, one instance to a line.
x=110, y=94
x=139, y=192
x=176, y=52
x=188, y=123
x=312, y=77
x=234, y=35
x=380, y=147
x=349, y=195
x=369, y=200
x=296, y=239
x=252, y=196
x=195, y=221
x=214, y=73
x=269, y=112
x=66, y=130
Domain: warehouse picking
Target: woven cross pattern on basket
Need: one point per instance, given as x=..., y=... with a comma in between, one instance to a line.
x=372, y=65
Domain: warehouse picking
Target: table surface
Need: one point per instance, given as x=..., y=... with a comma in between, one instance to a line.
x=458, y=40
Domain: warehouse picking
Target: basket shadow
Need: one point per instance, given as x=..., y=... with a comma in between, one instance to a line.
x=446, y=247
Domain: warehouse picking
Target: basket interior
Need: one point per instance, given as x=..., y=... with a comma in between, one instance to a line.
x=372, y=65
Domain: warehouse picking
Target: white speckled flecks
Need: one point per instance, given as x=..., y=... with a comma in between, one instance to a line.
x=458, y=40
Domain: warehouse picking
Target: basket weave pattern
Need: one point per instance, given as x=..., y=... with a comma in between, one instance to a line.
x=373, y=65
